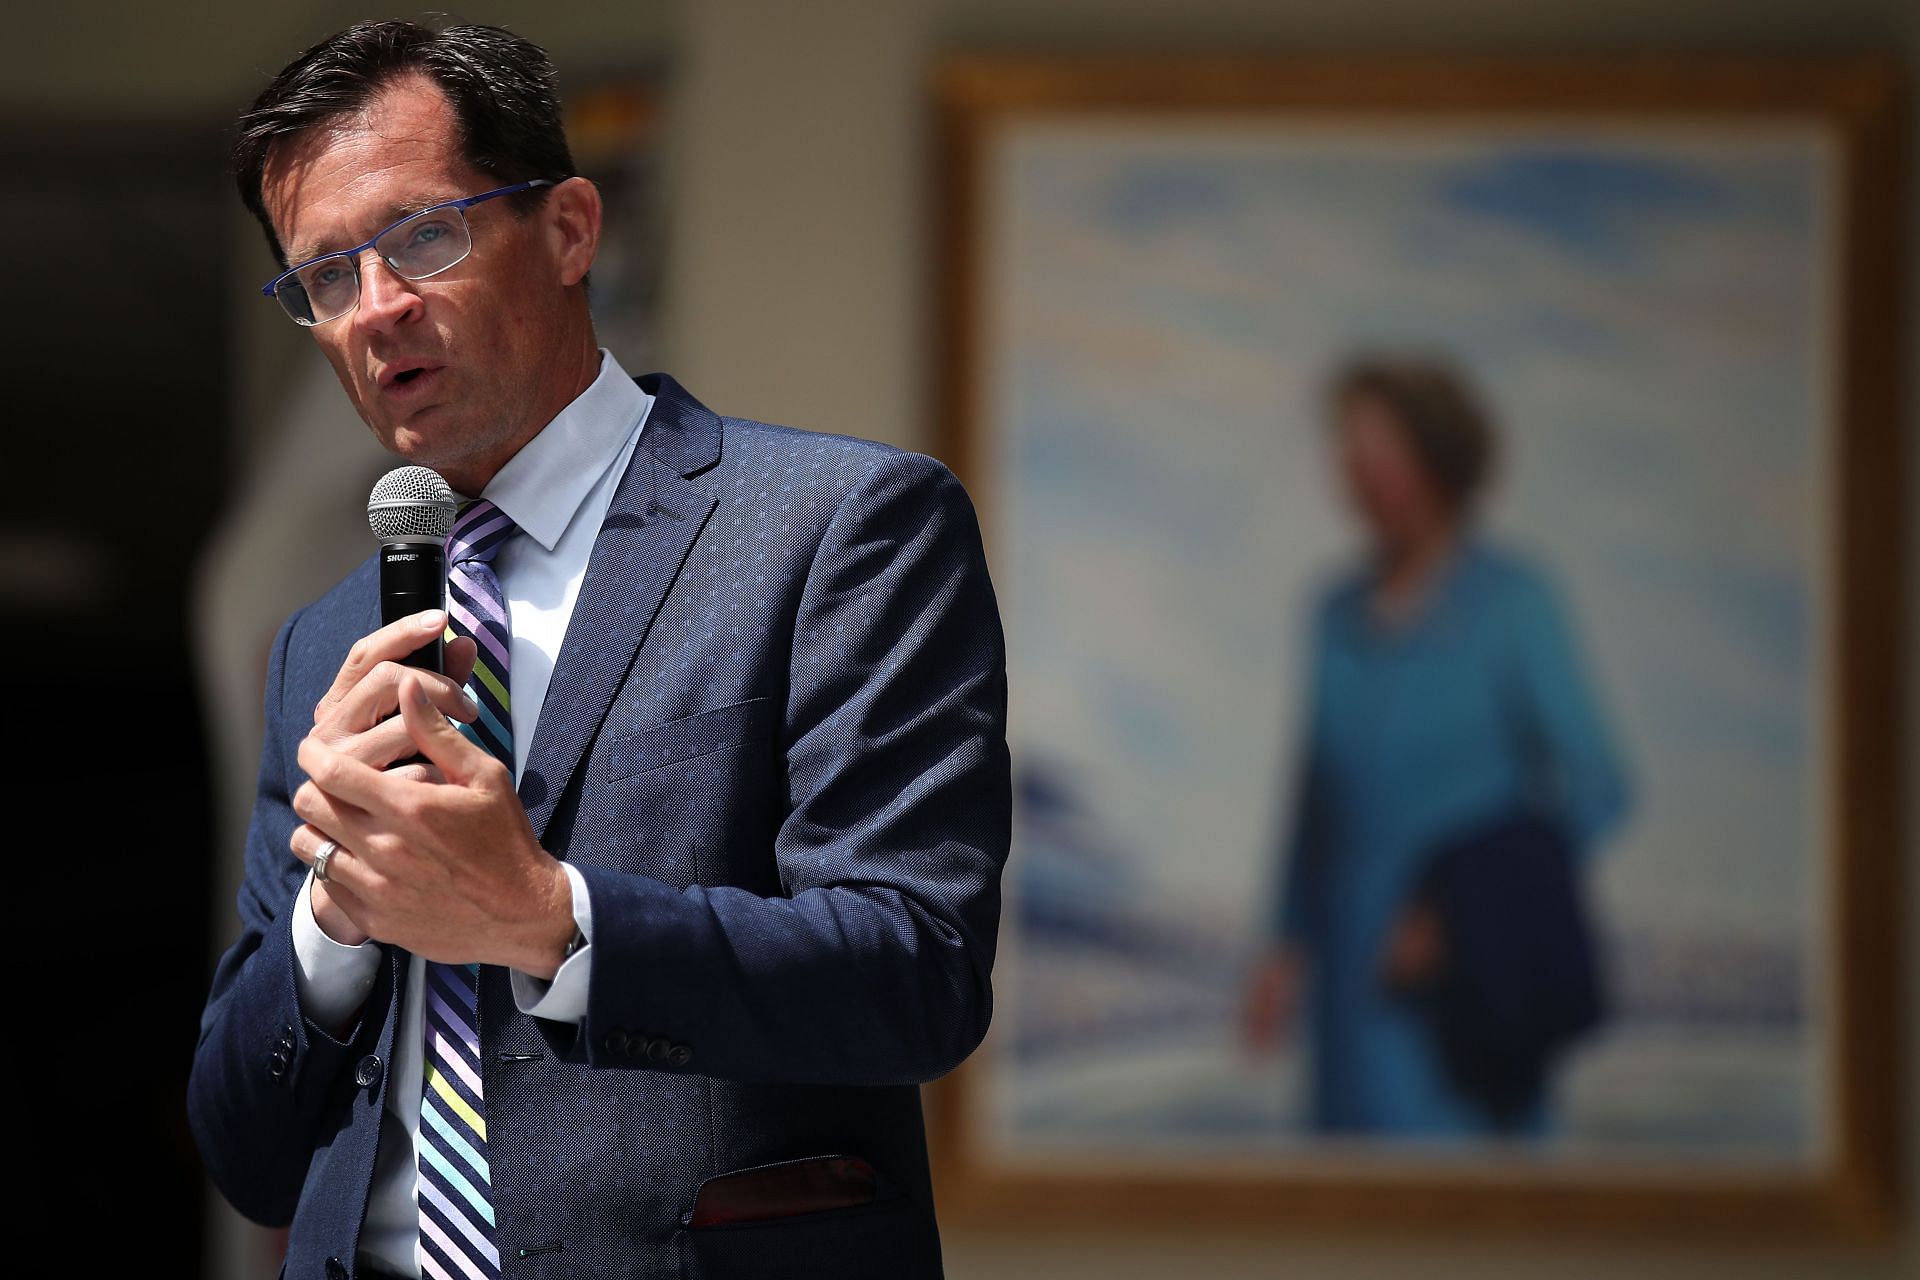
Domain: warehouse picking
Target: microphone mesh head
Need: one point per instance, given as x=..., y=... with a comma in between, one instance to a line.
x=411, y=503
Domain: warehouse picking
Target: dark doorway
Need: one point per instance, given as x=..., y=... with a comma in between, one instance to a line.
x=117, y=243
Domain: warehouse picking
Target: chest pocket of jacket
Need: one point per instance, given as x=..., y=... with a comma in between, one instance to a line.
x=691, y=737
x=690, y=801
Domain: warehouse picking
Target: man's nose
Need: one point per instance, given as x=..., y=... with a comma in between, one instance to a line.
x=386, y=297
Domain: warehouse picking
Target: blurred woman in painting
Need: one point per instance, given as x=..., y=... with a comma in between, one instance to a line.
x=1446, y=693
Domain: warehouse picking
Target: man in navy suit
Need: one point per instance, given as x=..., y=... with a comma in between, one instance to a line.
x=713, y=826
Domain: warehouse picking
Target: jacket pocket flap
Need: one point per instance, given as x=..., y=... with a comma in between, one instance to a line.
x=702, y=733
x=785, y=1190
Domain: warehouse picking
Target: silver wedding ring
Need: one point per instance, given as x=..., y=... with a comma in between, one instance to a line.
x=320, y=858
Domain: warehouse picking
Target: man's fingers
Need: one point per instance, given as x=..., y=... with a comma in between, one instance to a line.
x=416, y=770
x=457, y=659
x=340, y=894
x=384, y=746
x=377, y=697
x=389, y=644
x=336, y=776
x=308, y=840
x=379, y=746
x=440, y=742
x=331, y=816
x=347, y=871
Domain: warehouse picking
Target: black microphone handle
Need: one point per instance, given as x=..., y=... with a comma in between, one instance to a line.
x=413, y=577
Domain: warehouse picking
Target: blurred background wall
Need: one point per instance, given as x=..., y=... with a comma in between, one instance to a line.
x=797, y=202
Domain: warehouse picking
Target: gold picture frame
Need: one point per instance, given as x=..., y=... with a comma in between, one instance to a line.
x=1857, y=103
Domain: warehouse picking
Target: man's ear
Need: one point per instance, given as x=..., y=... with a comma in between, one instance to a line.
x=573, y=215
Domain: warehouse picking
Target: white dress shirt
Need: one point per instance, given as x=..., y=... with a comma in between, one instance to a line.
x=557, y=490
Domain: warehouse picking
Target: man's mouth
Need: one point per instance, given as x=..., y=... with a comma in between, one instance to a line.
x=408, y=378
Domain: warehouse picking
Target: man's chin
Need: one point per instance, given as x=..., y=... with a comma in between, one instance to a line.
x=440, y=444
x=424, y=443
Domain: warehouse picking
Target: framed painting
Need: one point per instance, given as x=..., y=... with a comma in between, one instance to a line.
x=1447, y=529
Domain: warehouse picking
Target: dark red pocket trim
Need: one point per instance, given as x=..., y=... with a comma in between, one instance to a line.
x=784, y=1190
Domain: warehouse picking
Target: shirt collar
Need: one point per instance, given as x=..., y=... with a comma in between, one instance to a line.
x=542, y=486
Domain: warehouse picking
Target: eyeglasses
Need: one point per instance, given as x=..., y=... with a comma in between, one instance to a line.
x=419, y=245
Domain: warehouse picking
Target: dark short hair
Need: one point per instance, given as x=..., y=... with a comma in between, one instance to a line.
x=501, y=88
x=1438, y=411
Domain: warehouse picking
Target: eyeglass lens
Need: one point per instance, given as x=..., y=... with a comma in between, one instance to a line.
x=423, y=245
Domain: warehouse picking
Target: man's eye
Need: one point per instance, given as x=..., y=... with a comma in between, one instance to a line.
x=427, y=234
x=323, y=277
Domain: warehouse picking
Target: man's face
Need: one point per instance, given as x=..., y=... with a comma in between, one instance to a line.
x=477, y=334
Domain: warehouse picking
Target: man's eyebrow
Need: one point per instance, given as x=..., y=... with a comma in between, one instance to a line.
x=393, y=213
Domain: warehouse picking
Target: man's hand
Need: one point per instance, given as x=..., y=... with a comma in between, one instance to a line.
x=441, y=862
x=357, y=716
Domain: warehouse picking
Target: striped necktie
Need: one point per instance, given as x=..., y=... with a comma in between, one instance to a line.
x=456, y=1186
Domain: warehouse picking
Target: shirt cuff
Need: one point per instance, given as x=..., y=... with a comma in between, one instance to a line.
x=564, y=999
x=331, y=978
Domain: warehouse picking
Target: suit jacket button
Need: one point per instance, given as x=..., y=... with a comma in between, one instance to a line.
x=657, y=1050
x=366, y=1073
x=679, y=1055
x=278, y=1066
x=336, y=1269
x=616, y=1041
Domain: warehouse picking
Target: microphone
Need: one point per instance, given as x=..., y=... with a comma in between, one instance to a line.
x=411, y=510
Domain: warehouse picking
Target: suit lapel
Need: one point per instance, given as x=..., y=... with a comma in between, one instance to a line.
x=650, y=526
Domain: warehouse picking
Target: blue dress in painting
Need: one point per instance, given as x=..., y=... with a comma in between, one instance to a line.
x=1473, y=706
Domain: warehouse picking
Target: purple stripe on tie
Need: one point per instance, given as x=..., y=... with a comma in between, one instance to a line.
x=451, y=1056
x=479, y=630
x=454, y=983
x=454, y=1022
x=479, y=611
x=450, y=1028
x=472, y=528
x=431, y=1230
x=477, y=510
x=482, y=598
x=454, y=1214
x=467, y=542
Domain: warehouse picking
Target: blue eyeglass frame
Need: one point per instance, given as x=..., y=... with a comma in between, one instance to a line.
x=272, y=287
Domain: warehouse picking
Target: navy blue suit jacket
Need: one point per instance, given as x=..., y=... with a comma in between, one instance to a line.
x=775, y=746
